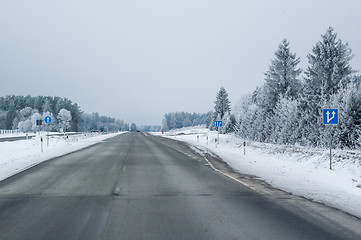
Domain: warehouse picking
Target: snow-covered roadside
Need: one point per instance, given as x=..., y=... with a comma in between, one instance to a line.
x=19, y=155
x=299, y=170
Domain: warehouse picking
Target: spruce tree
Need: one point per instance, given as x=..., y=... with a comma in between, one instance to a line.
x=10, y=115
x=329, y=66
x=282, y=77
x=328, y=71
x=222, y=104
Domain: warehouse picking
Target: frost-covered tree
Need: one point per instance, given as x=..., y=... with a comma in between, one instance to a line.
x=285, y=122
x=184, y=119
x=282, y=77
x=2, y=119
x=329, y=71
x=221, y=108
x=25, y=126
x=19, y=113
x=47, y=106
x=247, y=122
x=10, y=115
x=273, y=114
x=186, y=122
x=39, y=103
x=25, y=113
x=329, y=67
x=222, y=104
x=64, y=118
x=229, y=123
x=25, y=119
x=348, y=131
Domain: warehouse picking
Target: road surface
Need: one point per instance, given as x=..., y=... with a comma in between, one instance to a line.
x=138, y=186
x=12, y=139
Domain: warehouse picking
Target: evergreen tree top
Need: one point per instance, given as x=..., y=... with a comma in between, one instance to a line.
x=329, y=65
x=222, y=104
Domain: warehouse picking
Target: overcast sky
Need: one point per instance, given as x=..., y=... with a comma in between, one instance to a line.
x=137, y=60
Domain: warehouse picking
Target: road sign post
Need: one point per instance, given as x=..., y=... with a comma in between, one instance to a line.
x=244, y=147
x=218, y=124
x=330, y=117
x=47, y=120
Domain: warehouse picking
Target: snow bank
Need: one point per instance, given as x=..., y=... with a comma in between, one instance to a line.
x=19, y=155
x=299, y=170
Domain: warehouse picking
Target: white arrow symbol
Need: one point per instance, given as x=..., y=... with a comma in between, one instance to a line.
x=328, y=116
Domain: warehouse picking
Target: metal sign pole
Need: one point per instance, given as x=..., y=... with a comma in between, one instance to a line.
x=244, y=147
x=330, y=148
x=330, y=117
x=217, y=124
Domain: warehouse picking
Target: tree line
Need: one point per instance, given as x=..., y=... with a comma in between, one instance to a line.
x=175, y=120
x=21, y=112
x=287, y=108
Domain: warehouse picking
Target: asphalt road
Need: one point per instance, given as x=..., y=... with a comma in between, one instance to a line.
x=12, y=139
x=137, y=186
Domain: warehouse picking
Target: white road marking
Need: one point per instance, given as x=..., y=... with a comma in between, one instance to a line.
x=225, y=174
x=215, y=169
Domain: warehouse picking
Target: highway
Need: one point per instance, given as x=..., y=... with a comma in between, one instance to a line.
x=139, y=186
x=12, y=139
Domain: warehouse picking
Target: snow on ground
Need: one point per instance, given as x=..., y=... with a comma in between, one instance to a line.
x=299, y=170
x=19, y=155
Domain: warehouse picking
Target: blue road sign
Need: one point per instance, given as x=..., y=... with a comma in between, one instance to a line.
x=217, y=124
x=47, y=119
x=330, y=116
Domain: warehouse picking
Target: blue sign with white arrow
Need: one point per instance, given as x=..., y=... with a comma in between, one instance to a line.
x=217, y=124
x=330, y=116
x=47, y=119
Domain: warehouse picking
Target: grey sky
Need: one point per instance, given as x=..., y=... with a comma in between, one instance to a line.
x=137, y=60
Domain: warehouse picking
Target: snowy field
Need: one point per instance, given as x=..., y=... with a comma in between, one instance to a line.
x=19, y=155
x=299, y=170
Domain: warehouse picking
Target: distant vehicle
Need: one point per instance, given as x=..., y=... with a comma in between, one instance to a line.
x=138, y=131
x=94, y=131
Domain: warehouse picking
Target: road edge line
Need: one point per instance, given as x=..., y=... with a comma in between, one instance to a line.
x=229, y=176
x=211, y=165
